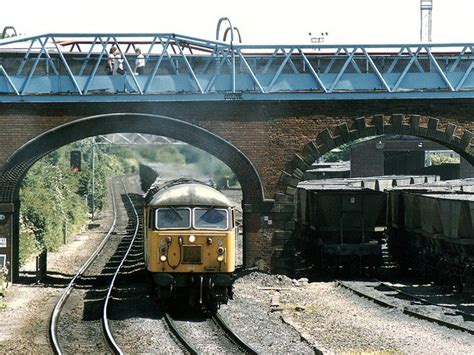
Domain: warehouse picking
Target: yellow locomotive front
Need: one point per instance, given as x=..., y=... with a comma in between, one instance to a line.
x=190, y=243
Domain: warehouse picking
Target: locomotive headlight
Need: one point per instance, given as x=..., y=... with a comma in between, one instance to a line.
x=163, y=258
x=192, y=238
x=220, y=250
x=220, y=258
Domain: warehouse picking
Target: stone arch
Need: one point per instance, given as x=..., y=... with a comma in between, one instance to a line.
x=451, y=136
x=19, y=163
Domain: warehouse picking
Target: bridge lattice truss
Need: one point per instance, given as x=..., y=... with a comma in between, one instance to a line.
x=71, y=67
x=134, y=139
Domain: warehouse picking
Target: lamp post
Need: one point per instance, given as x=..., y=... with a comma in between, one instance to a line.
x=426, y=9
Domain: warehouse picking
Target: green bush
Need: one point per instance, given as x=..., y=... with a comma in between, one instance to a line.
x=29, y=245
x=438, y=159
x=53, y=197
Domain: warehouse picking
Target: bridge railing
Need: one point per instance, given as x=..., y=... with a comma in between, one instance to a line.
x=75, y=65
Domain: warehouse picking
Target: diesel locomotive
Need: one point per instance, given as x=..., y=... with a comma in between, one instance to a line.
x=189, y=244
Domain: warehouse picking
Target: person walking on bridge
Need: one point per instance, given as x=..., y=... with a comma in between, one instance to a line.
x=111, y=65
x=139, y=62
x=118, y=63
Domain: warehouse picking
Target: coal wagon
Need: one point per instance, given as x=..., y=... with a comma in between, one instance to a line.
x=340, y=224
x=431, y=231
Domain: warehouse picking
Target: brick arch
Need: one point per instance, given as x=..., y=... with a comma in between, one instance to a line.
x=21, y=161
x=450, y=135
x=15, y=169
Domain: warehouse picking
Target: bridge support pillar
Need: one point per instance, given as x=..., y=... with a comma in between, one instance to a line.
x=259, y=243
x=9, y=239
x=254, y=241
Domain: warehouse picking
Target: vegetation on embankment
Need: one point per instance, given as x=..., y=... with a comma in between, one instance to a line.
x=55, y=201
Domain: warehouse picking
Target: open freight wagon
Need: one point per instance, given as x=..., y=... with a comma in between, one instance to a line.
x=340, y=225
x=432, y=231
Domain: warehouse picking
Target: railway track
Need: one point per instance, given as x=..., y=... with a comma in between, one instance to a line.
x=213, y=335
x=391, y=297
x=87, y=331
x=105, y=320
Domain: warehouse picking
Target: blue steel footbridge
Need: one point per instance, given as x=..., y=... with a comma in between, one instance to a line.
x=61, y=67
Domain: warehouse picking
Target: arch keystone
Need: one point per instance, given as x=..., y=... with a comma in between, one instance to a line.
x=396, y=122
x=432, y=127
x=379, y=124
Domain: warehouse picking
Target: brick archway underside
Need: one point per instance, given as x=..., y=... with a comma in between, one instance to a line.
x=20, y=162
x=450, y=135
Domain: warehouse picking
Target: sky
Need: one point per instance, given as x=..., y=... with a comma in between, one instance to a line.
x=259, y=21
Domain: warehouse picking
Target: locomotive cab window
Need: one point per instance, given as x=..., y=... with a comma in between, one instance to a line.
x=211, y=218
x=173, y=218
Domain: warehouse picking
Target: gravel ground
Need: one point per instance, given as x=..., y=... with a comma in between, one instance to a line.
x=204, y=335
x=142, y=319
x=251, y=317
x=444, y=310
x=335, y=320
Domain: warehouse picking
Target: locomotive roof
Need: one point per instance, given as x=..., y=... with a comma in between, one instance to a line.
x=188, y=194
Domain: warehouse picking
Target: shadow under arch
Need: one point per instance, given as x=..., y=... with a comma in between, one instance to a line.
x=20, y=162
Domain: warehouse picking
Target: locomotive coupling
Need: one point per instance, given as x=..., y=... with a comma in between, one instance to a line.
x=163, y=279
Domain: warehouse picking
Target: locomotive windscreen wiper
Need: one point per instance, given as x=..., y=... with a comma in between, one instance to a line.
x=212, y=208
x=176, y=212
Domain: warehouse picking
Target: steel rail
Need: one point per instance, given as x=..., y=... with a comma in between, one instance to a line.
x=423, y=300
x=405, y=310
x=181, y=338
x=232, y=336
x=105, y=322
x=59, y=305
x=216, y=318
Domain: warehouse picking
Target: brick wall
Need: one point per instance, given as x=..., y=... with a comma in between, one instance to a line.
x=268, y=133
x=281, y=139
